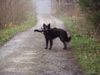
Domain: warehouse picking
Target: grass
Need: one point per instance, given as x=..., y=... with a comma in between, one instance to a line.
x=86, y=49
x=8, y=32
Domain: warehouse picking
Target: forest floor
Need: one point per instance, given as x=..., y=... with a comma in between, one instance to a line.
x=24, y=54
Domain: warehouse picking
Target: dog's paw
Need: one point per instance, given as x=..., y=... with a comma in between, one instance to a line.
x=64, y=48
x=49, y=48
x=46, y=48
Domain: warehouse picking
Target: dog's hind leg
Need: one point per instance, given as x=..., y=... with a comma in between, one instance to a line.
x=65, y=45
x=63, y=41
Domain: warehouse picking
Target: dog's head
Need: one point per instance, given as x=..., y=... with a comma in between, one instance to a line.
x=46, y=27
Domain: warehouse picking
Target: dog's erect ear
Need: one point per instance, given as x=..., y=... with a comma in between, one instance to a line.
x=49, y=26
x=44, y=24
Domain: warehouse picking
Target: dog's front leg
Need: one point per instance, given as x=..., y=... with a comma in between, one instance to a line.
x=46, y=44
x=51, y=43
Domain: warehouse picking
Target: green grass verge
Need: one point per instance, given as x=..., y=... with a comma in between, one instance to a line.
x=9, y=32
x=86, y=50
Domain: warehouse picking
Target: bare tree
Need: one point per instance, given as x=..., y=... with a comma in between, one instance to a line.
x=14, y=11
x=65, y=6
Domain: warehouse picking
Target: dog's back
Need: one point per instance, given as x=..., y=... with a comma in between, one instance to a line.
x=62, y=34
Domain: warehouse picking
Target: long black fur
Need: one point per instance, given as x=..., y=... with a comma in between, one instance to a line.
x=52, y=33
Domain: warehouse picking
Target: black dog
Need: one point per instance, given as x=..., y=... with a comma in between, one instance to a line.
x=52, y=33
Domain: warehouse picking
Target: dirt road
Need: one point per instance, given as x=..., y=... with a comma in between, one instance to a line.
x=24, y=54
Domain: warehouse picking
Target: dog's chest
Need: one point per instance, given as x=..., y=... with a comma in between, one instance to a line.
x=50, y=34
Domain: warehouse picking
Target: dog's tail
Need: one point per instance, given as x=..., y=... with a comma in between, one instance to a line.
x=69, y=39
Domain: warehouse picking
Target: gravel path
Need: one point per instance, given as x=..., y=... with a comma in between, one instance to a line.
x=24, y=54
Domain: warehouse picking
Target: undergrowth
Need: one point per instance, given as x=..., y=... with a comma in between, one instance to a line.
x=86, y=49
x=8, y=32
